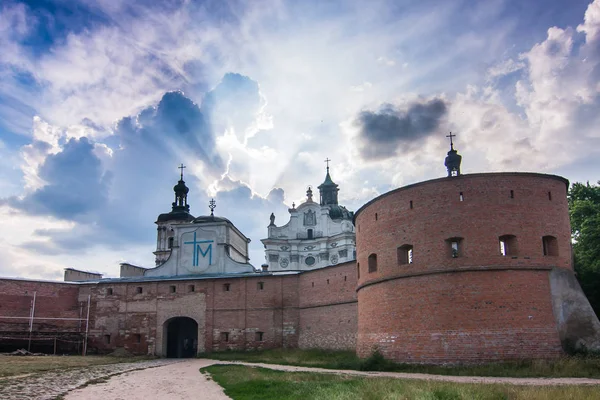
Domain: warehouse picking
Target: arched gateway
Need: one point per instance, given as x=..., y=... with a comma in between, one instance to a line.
x=180, y=336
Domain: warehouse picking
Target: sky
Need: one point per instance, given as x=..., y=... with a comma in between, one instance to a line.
x=101, y=100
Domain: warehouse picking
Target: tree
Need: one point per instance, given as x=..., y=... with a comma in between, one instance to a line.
x=584, y=209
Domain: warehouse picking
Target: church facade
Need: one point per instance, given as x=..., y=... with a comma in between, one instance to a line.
x=318, y=234
x=465, y=268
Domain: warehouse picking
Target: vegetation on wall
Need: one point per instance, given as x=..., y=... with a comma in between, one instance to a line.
x=584, y=209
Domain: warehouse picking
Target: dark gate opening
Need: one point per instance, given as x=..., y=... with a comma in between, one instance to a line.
x=182, y=337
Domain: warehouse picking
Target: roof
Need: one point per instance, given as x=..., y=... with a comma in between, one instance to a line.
x=175, y=216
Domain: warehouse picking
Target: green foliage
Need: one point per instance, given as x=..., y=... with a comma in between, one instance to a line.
x=246, y=383
x=584, y=209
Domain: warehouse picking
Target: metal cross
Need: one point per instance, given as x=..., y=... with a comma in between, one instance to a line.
x=327, y=161
x=181, y=167
x=212, y=204
x=451, y=136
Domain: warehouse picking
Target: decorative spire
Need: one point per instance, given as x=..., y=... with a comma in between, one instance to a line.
x=328, y=189
x=309, y=194
x=212, y=204
x=453, y=159
x=181, y=191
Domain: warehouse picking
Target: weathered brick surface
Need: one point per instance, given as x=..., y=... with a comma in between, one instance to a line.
x=54, y=300
x=425, y=312
x=328, y=308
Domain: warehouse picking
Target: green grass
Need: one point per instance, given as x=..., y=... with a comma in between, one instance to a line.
x=247, y=383
x=20, y=365
x=576, y=366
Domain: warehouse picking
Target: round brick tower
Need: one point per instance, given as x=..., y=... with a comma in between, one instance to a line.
x=457, y=269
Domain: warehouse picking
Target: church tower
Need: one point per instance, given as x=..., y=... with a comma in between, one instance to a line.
x=180, y=213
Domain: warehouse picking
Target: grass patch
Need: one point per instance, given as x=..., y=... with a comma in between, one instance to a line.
x=21, y=365
x=247, y=383
x=574, y=366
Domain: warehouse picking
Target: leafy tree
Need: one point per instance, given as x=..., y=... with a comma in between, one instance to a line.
x=584, y=208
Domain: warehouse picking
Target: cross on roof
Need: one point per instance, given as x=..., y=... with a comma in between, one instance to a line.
x=212, y=204
x=327, y=161
x=451, y=136
x=181, y=167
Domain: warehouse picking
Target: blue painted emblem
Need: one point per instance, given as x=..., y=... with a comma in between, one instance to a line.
x=198, y=251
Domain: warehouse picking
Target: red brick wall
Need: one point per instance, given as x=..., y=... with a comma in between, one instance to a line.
x=486, y=212
x=328, y=308
x=460, y=316
x=55, y=300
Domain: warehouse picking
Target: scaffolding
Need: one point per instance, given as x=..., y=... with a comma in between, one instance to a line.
x=53, y=338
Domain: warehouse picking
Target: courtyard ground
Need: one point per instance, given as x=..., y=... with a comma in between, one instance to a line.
x=174, y=379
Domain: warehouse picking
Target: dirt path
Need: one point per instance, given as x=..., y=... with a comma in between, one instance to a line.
x=446, y=378
x=49, y=385
x=181, y=380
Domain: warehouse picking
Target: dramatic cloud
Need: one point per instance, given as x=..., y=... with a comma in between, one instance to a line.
x=75, y=183
x=391, y=129
x=100, y=101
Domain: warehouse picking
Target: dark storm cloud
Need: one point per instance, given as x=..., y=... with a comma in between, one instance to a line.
x=389, y=129
x=76, y=183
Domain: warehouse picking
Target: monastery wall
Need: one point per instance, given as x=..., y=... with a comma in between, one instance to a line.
x=431, y=305
x=328, y=308
x=53, y=300
x=232, y=313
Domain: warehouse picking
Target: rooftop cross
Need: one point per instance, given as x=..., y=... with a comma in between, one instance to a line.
x=451, y=136
x=181, y=167
x=327, y=161
x=212, y=204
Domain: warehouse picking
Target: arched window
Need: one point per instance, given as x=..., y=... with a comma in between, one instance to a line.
x=508, y=245
x=550, y=246
x=372, y=263
x=405, y=254
x=171, y=242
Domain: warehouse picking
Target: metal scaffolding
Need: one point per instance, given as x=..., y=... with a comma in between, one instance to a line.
x=32, y=317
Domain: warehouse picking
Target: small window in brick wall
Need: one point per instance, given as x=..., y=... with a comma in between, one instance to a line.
x=372, y=263
x=405, y=254
x=225, y=336
x=191, y=288
x=107, y=339
x=172, y=289
x=138, y=338
x=411, y=204
x=139, y=290
x=512, y=194
x=550, y=196
x=259, y=336
x=508, y=245
x=226, y=287
x=550, y=246
x=260, y=285
x=454, y=245
x=109, y=291
x=358, y=270
x=461, y=197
